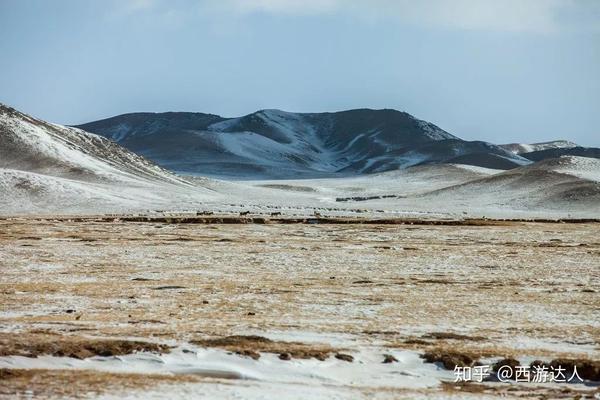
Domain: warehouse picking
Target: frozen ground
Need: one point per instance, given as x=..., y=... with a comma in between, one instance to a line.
x=522, y=290
x=561, y=188
x=570, y=188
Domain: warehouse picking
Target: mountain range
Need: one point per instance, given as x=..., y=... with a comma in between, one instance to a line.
x=382, y=163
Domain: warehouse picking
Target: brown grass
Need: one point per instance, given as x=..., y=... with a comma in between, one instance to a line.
x=33, y=345
x=515, y=392
x=60, y=384
x=494, y=283
x=251, y=345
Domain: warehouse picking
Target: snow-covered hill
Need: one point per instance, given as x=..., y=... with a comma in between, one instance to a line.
x=278, y=144
x=520, y=148
x=555, y=188
x=569, y=185
x=34, y=145
x=46, y=166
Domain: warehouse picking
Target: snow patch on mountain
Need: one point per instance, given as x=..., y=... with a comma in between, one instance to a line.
x=120, y=132
x=433, y=131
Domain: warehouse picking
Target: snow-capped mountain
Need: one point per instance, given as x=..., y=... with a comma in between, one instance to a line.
x=568, y=183
x=279, y=144
x=520, y=148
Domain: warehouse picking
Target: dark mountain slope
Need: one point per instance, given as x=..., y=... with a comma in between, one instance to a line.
x=278, y=144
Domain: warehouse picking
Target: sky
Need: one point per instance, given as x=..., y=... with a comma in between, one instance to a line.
x=494, y=70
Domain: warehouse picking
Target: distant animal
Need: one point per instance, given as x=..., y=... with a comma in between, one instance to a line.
x=242, y=213
x=274, y=214
x=317, y=214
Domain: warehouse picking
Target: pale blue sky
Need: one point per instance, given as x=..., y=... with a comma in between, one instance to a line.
x=496, y=70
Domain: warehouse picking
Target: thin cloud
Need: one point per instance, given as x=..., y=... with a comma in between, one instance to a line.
x=158, y=13
x=534, y=16
x=543, y=16
x=303, y=7
x=135, y=6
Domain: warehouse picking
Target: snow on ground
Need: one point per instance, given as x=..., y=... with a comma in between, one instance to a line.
x=240, y=377
x=437, y=191
x=366, y=371
x=26, y=192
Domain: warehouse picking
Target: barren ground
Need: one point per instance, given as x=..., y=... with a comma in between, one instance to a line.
x=525, y=290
